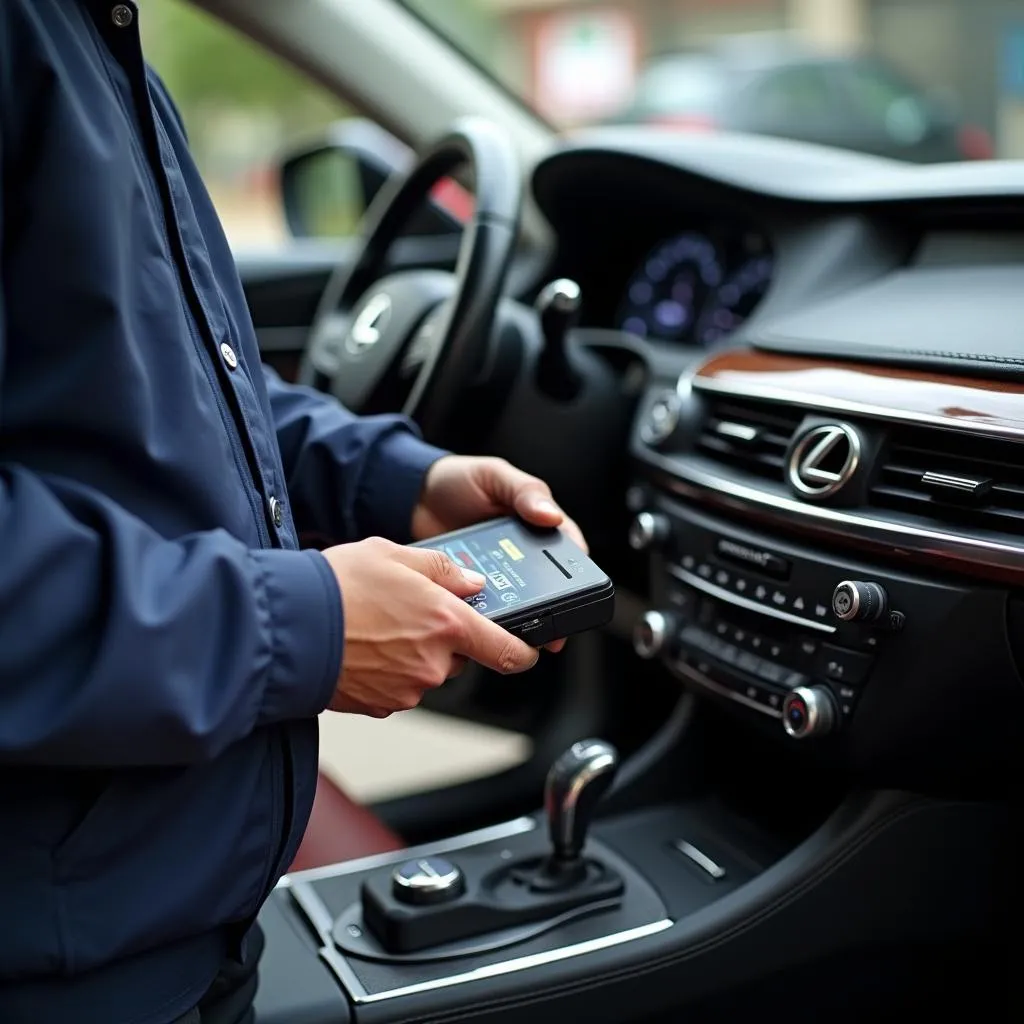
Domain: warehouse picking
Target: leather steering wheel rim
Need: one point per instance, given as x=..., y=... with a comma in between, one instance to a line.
x=485, y=253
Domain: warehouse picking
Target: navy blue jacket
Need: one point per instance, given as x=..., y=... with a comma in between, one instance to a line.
x=164, y=644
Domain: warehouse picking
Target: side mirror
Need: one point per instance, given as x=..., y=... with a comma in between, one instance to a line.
x=328, y=186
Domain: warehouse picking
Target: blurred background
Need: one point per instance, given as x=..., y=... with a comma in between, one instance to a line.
x=918, y=80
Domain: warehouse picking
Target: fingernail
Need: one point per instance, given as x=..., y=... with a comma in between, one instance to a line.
x=547, y=508
x=473, y=577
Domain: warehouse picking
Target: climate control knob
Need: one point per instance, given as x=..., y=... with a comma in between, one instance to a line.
x=648, y=530
x=855, y=601
x=809, y=711
x=653, y=633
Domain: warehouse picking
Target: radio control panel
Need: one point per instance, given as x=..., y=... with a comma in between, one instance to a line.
x=779, y=632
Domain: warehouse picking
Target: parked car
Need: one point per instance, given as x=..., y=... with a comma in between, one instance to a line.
x=777, y=88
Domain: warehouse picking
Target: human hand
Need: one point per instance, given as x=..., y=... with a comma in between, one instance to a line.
x=461, y=490
x=407, y=628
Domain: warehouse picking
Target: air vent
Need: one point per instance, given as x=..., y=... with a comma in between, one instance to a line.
x=750, y=436
x=953, y=478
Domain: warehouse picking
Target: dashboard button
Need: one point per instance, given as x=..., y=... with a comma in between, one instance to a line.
x=772, y=673
x=808, y=648
x=722, y=578
x=820, y=611
x=748, y=663
x=704, y=571
x=779, y=598
x=763, y=561
x=684, y=602
x=794, y=680
x=798, y=604
x=842, y=666
x=740, y=585
x=761, y=592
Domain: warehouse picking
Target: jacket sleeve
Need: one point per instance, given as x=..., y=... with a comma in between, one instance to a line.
x=119, y=647
x=348, y=476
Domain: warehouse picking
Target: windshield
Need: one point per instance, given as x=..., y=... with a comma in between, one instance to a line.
x=833, y=72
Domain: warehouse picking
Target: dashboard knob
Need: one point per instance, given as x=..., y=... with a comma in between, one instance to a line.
x=652, y=633
x=856, y=601
x=809, y=711
x=648, y=530
x=661, y=419
x=427, y=881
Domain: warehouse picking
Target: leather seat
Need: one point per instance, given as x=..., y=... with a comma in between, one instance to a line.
x=340, y=829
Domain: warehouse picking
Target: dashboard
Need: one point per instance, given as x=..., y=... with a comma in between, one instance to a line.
x=826, y=475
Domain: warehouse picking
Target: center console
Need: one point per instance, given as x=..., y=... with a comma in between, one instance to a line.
x=820, y=829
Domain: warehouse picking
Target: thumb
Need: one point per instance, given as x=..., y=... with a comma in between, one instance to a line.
x=442, y=570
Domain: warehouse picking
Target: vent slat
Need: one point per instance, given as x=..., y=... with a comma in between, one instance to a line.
x=952, y=478
x=749, y=436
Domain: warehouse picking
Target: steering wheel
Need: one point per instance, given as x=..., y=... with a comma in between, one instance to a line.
x=417, y=338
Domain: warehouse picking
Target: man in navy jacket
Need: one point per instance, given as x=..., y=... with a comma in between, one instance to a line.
x=165, y=647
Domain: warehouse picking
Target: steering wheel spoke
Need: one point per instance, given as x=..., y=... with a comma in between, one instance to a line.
x=414, y=339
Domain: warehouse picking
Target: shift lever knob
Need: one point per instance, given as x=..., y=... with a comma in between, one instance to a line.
x=575, y=784
x=558, y=309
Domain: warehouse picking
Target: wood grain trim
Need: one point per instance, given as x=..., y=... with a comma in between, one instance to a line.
x=961, y=403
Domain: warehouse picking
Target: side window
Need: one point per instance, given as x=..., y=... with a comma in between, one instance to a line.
x=243, y=108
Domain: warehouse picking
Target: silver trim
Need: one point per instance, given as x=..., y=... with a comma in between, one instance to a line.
x=804, y=466
x=968, y=485
x=654, y=433
x=821, y=712
x=688, y=381
x=659, y=626
x=854, y=592
x=695, y=484
x=343, y=971
x=742, y=602
x=698, y=677
x=700, y=858
x=647, y=529
x=737, y=431
x=426, y=879
x=368, y=326
x=485, y=835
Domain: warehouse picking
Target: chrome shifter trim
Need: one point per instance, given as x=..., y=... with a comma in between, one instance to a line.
x=344, y=973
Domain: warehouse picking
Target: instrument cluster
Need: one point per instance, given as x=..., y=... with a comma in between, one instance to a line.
x=697, y=286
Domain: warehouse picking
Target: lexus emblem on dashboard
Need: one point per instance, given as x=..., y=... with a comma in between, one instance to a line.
x=824, y=460
x=370, y=324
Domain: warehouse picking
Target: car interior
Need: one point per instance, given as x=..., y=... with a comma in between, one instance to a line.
x=779, y=387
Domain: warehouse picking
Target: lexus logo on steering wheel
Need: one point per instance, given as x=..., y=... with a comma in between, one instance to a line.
x=369, y=325
x=824, y=460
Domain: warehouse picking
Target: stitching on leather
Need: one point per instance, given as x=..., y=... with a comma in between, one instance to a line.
x=841, y=857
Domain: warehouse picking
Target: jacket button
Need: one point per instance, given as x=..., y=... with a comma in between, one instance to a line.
x=276, y=512
x=228, y=353
x=122, y=15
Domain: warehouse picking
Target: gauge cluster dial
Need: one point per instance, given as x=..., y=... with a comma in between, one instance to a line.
x=697, y=286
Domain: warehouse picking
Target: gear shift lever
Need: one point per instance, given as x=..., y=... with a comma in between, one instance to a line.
x=575, y=784
x=558, y=309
